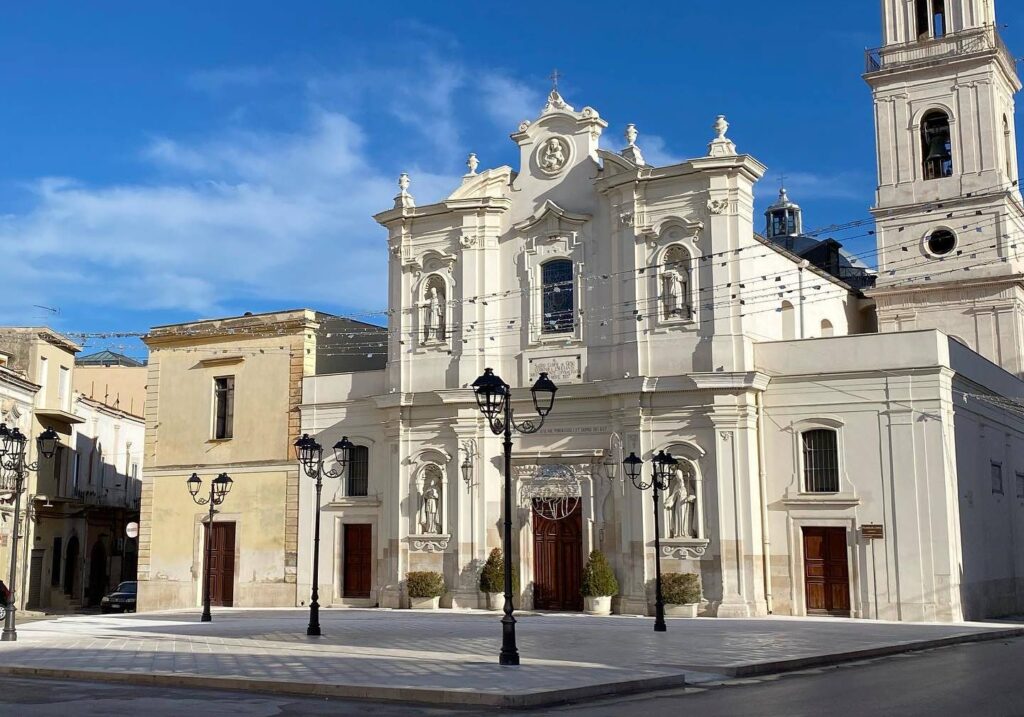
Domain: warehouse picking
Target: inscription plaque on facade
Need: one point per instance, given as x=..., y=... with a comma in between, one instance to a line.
x=560, y=369
x=873, y=531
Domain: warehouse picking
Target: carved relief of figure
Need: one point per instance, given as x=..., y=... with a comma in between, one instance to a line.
x=430, y=519
x=434, y=315
x=681, y=505
x=553, y=156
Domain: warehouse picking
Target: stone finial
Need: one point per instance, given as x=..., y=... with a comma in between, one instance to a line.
x=721, y=146
x=472, y=162
x=721, y=126
x=404, y=200
x=632, y=152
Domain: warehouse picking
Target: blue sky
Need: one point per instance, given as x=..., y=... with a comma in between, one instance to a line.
x=165, y=161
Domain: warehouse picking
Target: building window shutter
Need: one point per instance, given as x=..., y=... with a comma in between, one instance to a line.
x=359, y=471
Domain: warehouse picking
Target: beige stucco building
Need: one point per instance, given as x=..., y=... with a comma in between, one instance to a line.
x=223, y=396
x=76, y=505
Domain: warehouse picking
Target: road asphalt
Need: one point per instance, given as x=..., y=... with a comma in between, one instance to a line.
x=980, y=679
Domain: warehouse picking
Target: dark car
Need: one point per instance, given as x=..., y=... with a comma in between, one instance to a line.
x=121, y=599
x=5, y=597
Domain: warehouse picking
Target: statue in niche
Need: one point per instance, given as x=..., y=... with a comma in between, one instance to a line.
x=681, y=506
x=674, y=288
x=553, y=155
x=434, y=314
x=430, y=499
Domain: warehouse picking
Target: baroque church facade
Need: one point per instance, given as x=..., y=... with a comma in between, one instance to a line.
x=847, y=442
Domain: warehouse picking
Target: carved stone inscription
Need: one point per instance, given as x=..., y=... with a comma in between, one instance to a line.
x=560, y=369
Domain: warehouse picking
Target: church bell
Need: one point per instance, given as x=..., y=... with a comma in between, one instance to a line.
x=938, y=149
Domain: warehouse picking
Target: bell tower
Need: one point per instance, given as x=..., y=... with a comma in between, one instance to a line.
x=949, y=214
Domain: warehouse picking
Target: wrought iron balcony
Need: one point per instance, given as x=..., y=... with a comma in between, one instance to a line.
x=926, y=52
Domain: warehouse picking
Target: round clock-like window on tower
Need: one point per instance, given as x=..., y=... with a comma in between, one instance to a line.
x=941, y=242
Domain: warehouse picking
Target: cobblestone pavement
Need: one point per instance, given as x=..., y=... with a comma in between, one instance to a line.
x=447, y=652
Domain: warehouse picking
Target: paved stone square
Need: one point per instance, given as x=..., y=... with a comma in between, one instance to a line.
x=448, y=656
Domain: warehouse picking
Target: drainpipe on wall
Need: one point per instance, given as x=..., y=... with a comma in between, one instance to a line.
x=762, y=477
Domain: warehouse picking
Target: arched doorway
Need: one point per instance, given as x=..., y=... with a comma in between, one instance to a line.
x=71, y=566
x=97, y=573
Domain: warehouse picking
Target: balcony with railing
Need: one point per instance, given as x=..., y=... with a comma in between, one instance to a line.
x=941, y=49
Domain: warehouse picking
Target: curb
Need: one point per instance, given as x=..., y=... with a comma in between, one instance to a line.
x=379, y=693
x=756, y=669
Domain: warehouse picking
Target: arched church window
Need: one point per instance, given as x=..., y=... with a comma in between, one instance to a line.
x=358, y=481
x=936, y=145
x=941, y=242
x=675, y=289
x=826, y=328
x=821, y=461
x=788, y=321
x=557, y=297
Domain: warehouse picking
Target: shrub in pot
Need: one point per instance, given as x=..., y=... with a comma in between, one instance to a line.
x=682, y=594
x=492, y=580
x=425, y=589
x=598, y=585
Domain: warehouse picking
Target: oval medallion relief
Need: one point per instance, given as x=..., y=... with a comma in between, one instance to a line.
x=553, y=155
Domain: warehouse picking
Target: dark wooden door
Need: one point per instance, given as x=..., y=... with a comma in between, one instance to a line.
x=358, y=557
x=222, y=565
x=557, y=562
x=826, y=571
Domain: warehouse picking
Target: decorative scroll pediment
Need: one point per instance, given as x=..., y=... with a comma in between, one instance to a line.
x=429, y=543
x=551, y=219
x=430, y=261
x=669, y=229
x=682, y=549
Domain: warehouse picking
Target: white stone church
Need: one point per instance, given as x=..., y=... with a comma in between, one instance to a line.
x=851, y=440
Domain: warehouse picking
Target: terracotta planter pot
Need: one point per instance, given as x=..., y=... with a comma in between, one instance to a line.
x=430, y=603
x=688, y=610
x=600, y=605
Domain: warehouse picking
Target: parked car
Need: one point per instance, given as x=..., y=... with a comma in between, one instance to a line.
x=121, y=598
x=5, y=597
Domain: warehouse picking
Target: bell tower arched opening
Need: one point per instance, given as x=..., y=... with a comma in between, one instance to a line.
x=936, y=145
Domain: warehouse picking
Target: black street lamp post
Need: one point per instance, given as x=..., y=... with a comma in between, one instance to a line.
x=219, y=489
x=662, y=469
x=494, y=398
x=311, y=455
x=13, y=470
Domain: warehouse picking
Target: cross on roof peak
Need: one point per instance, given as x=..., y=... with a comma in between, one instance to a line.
x=555, y=76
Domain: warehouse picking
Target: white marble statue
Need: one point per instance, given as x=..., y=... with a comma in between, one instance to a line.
x=673, y=293
x=430, y=522
x=680, y=504
x=434, y=315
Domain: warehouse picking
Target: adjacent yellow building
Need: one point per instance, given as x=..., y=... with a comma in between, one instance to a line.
x=223, y=396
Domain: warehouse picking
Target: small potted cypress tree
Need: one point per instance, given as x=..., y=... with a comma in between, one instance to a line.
x=682, y=594
x=492, y=580
x=599, y=584
x=425, y=589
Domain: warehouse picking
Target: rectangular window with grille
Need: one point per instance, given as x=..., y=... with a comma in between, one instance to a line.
x=223, y=407
x=557, y=297
x=821, y=461
x=359, y=471
x=997, y=478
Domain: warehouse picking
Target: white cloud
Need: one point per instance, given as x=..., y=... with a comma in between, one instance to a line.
x=508, y=102
x=852, y=186
x=273, y=216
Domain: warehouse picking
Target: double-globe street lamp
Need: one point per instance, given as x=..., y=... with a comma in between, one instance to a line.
x=663, y=464
x=13, y=471
x=311, y=455
x=219, y=489
x=494, y=398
